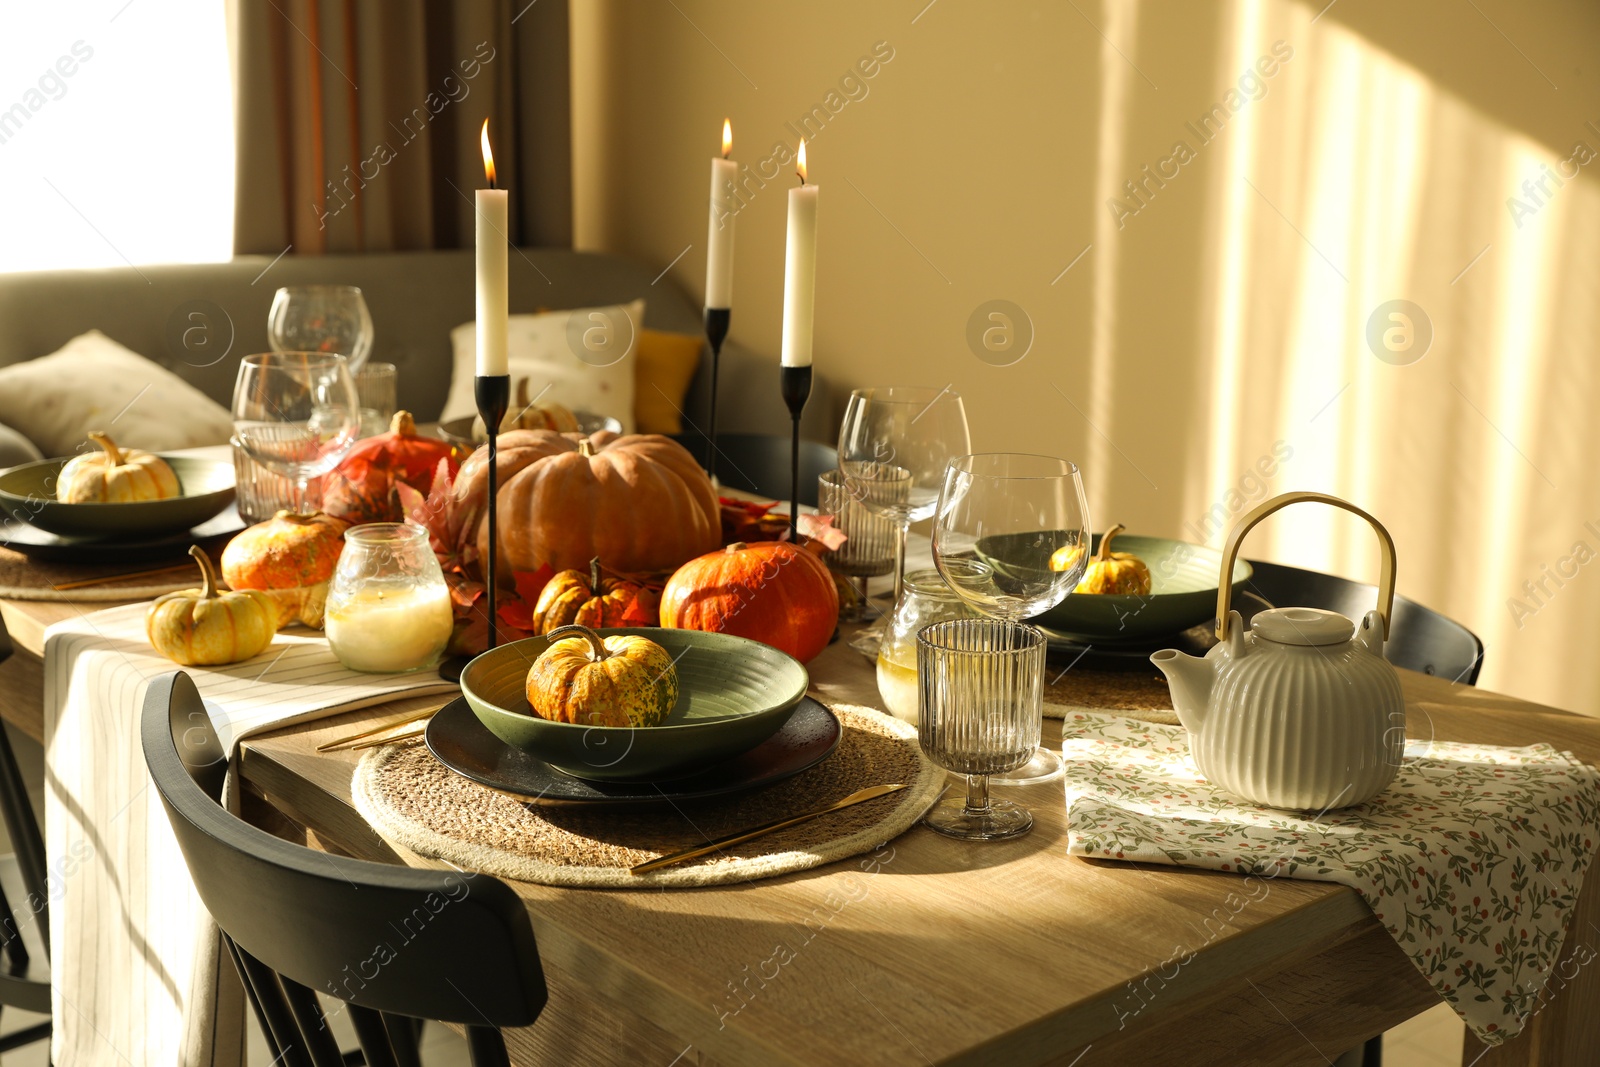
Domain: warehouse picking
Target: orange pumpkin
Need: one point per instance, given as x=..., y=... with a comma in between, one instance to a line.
x=285, y=552
x=593, y=600
x=639, y=502
x=769, y=591
x=365, y=487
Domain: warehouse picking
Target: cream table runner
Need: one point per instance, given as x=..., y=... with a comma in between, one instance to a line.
x=1472, y=859
x=139, y=976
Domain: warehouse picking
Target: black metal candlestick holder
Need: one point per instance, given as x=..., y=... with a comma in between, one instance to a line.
x=493, y=393
x=796, y=384
x=717, y=320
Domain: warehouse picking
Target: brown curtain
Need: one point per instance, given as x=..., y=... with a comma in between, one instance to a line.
x=358, y=121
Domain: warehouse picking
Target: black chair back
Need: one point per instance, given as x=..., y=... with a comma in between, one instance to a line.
x=760, y=463
x=24, y=897
x=1419, y=638
x=384, y=938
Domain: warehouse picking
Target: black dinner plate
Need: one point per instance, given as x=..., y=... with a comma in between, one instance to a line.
x=41, y=544
x=459, y=741
x=1069, y=649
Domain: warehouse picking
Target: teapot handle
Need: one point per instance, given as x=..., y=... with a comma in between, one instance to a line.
x=1230, y=553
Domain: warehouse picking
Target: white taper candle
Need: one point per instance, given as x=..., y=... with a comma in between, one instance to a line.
x=719, y=241
x=800, y=271
x=492, y=208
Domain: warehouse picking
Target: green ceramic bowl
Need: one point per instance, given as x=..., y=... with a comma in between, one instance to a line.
x=1183, y=593
x=28, y=493
x=734, y=693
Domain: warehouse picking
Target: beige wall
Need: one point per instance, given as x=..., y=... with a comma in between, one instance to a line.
x=1217, y=332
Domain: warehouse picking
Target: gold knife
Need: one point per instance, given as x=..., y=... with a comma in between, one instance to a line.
x=404, y=720
x=870, y=793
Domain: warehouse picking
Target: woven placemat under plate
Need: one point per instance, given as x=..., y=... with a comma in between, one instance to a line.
x=416, y=802
x=1134, y=694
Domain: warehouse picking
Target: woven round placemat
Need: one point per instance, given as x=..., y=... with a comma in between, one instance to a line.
x=24, y=577
x=414, y=801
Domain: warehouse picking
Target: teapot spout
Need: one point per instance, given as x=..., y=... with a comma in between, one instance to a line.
x=1190, y=678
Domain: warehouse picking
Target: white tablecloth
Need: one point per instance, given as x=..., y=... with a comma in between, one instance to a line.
x=138, y=975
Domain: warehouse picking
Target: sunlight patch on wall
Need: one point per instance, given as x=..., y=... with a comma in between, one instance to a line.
x=1501, y=390
x=1121, y=24
x=1231, y=303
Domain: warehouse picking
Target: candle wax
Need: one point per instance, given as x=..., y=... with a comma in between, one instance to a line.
x=385, y=631
x=800, y=276
x=493, y=310
x=719, y=241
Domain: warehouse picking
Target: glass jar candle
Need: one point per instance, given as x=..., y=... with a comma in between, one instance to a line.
x=925, y=600
x=388, y=606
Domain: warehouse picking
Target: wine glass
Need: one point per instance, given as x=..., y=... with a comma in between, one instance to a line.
x=893, y=448
x=321, y=318
x=1012, y=539
x=296, y=414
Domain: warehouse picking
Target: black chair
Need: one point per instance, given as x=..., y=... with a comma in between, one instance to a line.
x=759, y=463
x=395, y=943
x=24, y=943
x=1419, y=638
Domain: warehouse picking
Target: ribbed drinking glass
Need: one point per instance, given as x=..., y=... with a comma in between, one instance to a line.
x=980, y=699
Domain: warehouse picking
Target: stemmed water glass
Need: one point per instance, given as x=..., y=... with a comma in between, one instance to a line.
x=1005, y=523
x=296, y=414
x=321, y=318
x=893, y=448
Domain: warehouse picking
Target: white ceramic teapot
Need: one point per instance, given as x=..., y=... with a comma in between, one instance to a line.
x=1302, y=711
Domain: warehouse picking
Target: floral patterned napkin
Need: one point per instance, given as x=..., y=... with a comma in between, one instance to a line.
x=1472, y=858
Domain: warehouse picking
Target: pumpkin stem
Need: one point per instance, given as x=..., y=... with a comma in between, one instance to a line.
x=208, y=573
x=597, y=648
x=737, y=546
x=1104, y=555
x=108, y=446
x=522, y=395
x=403, y=425
x=585, y=447
x=594, y=577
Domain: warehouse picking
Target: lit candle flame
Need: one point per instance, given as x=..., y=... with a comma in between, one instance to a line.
x=727, y=138
x=488, y=156
x=800, y=168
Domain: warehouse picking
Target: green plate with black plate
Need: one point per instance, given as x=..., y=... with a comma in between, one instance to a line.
x=733, y=694
x=1183, y=593
x=28, y=494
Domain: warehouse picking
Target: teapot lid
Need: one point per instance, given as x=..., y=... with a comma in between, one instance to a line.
x=1302, y=626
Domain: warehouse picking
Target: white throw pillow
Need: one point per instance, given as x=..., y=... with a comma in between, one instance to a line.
x=93, y=383
x=543, y=349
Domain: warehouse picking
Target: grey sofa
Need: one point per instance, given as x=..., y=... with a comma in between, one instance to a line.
x=416, y=298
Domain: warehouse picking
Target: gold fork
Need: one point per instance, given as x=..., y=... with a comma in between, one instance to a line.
x=405, y=720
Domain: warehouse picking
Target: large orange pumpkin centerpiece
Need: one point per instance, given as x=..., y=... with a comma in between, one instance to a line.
x=769, y=591
x=638, y=503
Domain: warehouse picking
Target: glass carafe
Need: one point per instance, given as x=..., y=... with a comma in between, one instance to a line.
x=925, y=600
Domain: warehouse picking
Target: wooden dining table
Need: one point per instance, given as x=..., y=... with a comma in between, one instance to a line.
x=930, y=950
